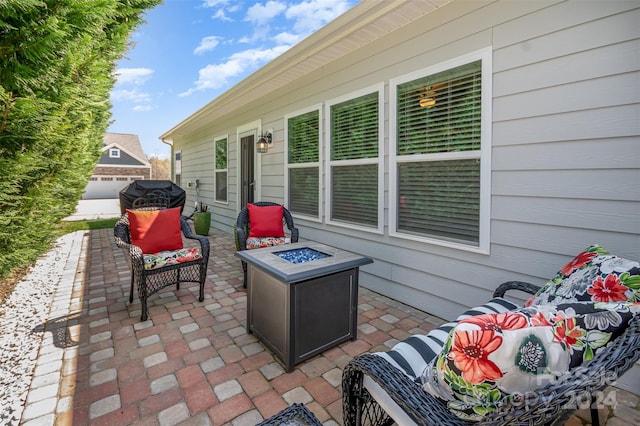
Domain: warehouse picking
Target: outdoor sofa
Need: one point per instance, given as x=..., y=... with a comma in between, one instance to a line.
x=501, y=363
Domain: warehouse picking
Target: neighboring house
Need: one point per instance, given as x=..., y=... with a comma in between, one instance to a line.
x=122, y=162
x=459, y=144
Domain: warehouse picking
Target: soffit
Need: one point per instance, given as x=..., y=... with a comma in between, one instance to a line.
x=360, y=26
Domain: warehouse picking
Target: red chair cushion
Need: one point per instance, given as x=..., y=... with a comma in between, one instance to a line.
x=155, y=230
x=265, y=221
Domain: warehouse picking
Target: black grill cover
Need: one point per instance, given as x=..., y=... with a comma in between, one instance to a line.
x=139, y=188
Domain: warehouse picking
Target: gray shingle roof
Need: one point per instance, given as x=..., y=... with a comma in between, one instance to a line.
x=126, y=141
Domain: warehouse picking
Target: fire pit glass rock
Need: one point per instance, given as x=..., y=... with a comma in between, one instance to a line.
x=301, y=255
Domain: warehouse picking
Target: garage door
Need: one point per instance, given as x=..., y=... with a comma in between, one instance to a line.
x=107, y=186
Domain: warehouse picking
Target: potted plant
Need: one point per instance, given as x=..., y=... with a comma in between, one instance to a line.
x=202, y=220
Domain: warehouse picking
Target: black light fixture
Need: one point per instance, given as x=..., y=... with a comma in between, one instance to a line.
x=264, y=142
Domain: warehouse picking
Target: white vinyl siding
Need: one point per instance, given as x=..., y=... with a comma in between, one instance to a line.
x=562, y=151
x=440, y=124
x=302, y=163
x=354, y=159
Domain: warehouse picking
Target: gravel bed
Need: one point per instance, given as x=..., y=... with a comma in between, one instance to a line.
x=22, y=319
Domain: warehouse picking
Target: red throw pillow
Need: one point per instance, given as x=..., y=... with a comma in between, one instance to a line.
x=265, y=221
x=155, y=230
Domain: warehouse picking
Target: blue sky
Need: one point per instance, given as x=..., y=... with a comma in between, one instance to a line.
x=190, y=51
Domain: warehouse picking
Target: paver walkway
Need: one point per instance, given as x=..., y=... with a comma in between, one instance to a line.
x=192, y=363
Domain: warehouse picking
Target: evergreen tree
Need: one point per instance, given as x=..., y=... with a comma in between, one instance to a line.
x=57, y=59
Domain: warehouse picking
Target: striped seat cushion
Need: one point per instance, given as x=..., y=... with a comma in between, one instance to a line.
x=414, y=353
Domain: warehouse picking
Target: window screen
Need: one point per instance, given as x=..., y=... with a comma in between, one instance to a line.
x=303, y=133
x=354, y=138
x=439, y=119
x=221, y=169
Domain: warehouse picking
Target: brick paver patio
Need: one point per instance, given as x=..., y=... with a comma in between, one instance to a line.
x=191, y=363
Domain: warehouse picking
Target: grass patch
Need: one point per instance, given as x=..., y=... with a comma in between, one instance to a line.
x=86, y=225
x=9, y=281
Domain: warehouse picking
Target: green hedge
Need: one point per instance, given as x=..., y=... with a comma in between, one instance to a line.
x=57, y=59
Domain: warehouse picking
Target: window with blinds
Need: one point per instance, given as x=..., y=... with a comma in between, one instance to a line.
x=438, y=155
x=220, y=170
x=303, y=163
x=354, y=160
x=354, y=128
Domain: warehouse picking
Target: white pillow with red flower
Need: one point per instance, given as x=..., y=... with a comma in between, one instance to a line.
x=491, y=358
x=594, y=275
x=254, y=242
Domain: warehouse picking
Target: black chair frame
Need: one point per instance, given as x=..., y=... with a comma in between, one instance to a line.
x=151, y=281
x=552, y=404
x=242, y=229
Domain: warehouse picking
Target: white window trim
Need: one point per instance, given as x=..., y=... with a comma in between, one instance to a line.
x=177, y=164
x=327, y=160
x=215, y=171
x=255, y=128
x=485, y=55
x=287, y=166
x=114, y=153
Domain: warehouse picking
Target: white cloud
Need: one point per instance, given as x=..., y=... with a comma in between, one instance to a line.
x=217, y=76
x=132, y=77
x=259, y=14
x=221, y=15
x=207, y=44
x=223, y=7
x=130, y=95
x=287, y=38
x=142, y=108
x=303, y=18
x=135, y=76
x=313, y=14
x=214, y=3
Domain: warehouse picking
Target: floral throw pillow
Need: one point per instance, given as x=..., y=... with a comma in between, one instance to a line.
x=594, y=275
x=253, y=242
x=171, y=257
x=491, y=358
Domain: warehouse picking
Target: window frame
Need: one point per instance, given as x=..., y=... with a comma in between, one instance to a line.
x=379, y=160
x=177, y=162
x=114, y=153
x=318, y=164
x=484, y=154
x=216, y=170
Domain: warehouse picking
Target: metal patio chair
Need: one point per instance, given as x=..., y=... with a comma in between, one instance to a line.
x=241, y=229
x=552, y=404
x=150, y=281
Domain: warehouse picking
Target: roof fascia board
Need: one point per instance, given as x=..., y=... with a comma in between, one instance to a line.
x=123, y=166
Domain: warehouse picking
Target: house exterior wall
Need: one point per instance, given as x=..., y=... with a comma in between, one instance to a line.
x=565, y=144
x=141, y=172
x=124, y=160
x=112, y=174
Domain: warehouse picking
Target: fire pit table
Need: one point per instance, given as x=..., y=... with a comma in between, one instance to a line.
x=302, y=298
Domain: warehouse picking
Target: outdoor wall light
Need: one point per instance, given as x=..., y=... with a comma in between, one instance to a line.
x=264, y=142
